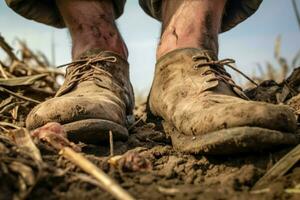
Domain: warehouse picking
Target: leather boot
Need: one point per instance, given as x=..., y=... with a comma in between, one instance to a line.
x=95, y=98
x=204, y=111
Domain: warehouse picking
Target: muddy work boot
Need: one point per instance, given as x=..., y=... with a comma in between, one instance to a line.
x=95, y=98
x=204, y=111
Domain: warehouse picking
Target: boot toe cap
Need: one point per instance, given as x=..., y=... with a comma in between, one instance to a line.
x=264, y=115
x=69, y=109
x=195, y=121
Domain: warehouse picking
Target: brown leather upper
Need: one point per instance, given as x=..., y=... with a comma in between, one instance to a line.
x=192, y=91
x=96, y=86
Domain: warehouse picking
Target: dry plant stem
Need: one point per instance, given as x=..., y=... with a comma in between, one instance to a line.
x=279, y=169
x=193, y=24
x=296, y=11
x=111, y=143
x=107, y=183
x=7, y=49
x=24, y=140
x=19, y=96
x=9, y=125
x=25, y=143
x=136, y=122
x=21, y=82
x=3, y=73
x=92, y=26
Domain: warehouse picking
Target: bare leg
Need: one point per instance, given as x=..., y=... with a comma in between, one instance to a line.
x=91, y=25
x=190, y=23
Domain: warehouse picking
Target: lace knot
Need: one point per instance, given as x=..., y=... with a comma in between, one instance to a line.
x=218, y=68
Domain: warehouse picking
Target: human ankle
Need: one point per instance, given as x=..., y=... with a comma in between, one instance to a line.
x=190, y=24
x=92, y=26
x=107, y=41
x=175, y=40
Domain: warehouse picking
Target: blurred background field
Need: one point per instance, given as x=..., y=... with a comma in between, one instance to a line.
x=251, y=43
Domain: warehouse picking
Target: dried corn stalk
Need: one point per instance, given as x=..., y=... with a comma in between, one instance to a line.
x=24, y=82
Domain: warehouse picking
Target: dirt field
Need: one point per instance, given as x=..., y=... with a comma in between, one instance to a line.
x=149, y=168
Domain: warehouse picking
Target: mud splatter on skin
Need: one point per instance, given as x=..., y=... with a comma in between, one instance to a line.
x=92, y=26
x=99, y=31
x=96, y=31
x=184, y=26
x=106, y=18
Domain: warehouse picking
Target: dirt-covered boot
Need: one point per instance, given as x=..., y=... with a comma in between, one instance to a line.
x=95, y=98
x=204, y=111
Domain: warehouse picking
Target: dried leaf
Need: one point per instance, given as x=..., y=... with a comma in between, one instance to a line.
x=2, y=89
x=296, y=11
x=16, y=98
x=296, y=59
x=6, y=102
x=8, y=49
x=277, y=47
x=23, y=140
x=3, y=72
x=270, y=71
x=25, y=172
x=9, y=125
x=284, y=68
x=14, y=112
x=21, y=81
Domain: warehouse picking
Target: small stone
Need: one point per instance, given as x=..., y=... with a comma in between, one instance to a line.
x=147, y=179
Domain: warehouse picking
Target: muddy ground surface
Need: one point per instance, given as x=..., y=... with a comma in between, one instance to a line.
x=149, y=169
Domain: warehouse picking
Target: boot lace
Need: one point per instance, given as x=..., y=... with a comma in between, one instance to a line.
x=85, y=69
x=217, y=67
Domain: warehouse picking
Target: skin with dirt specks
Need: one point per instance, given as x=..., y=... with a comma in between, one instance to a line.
x=190, y=24
x=91, y=25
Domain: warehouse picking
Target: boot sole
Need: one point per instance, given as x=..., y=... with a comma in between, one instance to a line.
x=230, y=141
x=95, y=131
